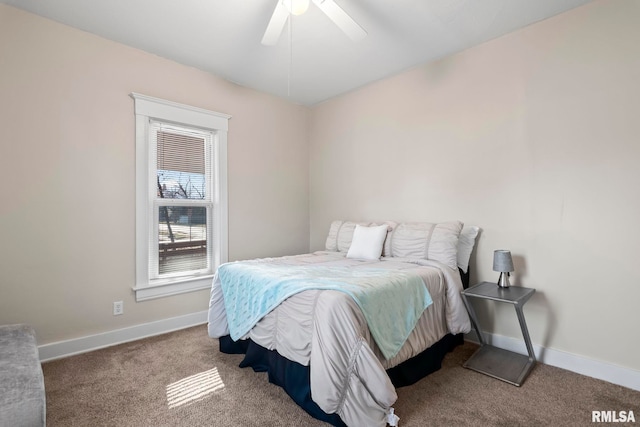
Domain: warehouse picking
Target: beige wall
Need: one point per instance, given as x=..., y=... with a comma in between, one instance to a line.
x=67, y=172
x=534, y=137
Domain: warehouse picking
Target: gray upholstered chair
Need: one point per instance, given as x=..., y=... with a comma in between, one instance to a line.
x=22, y=398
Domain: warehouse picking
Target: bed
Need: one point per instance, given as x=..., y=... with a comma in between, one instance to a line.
x=338, y=351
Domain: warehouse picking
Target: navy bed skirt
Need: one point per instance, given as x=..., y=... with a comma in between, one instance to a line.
x=294, y=377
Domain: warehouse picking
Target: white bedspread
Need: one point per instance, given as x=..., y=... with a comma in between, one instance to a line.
x=326, y=330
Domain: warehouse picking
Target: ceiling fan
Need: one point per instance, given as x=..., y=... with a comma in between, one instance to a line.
x=284, y=8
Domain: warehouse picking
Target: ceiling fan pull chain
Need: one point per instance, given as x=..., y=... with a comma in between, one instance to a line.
x=289, y=71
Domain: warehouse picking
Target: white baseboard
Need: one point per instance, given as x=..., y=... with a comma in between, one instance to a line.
x=625, y=377
x=71, y=347
x=615, y=374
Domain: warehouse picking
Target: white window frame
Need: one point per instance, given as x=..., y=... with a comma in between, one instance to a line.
x=147, y=109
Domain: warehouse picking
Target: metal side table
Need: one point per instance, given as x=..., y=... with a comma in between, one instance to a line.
x=496, y=362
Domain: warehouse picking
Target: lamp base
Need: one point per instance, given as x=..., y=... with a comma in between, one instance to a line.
x=503, y=280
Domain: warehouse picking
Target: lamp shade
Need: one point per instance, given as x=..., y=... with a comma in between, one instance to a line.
x=502, y=261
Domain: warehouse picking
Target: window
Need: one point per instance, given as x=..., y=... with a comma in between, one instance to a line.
x=181, y=197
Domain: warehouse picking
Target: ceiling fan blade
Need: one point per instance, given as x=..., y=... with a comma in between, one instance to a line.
x=276, y=24
x=341, y=19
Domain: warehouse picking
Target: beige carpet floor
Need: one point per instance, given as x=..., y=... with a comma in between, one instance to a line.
x=181, y=379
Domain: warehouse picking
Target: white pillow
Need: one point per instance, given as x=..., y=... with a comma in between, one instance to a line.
x=367, y=242
x=466, y=241
x=332, y=239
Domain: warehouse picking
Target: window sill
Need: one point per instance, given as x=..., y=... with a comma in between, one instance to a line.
x=173, y=287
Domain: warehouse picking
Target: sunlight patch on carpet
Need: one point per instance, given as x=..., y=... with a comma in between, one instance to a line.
x=194, y=388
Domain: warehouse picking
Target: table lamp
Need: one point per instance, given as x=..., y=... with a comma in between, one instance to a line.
x=503, y=263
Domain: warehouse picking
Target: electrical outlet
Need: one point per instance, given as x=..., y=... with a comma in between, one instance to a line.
x=118, y=308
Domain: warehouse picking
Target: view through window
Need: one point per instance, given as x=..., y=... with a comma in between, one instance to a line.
x=183, y=199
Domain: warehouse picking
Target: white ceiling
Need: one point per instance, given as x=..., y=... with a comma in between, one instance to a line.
x=223, y=36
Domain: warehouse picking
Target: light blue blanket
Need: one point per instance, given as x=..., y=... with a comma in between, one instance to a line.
x=391, y=301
